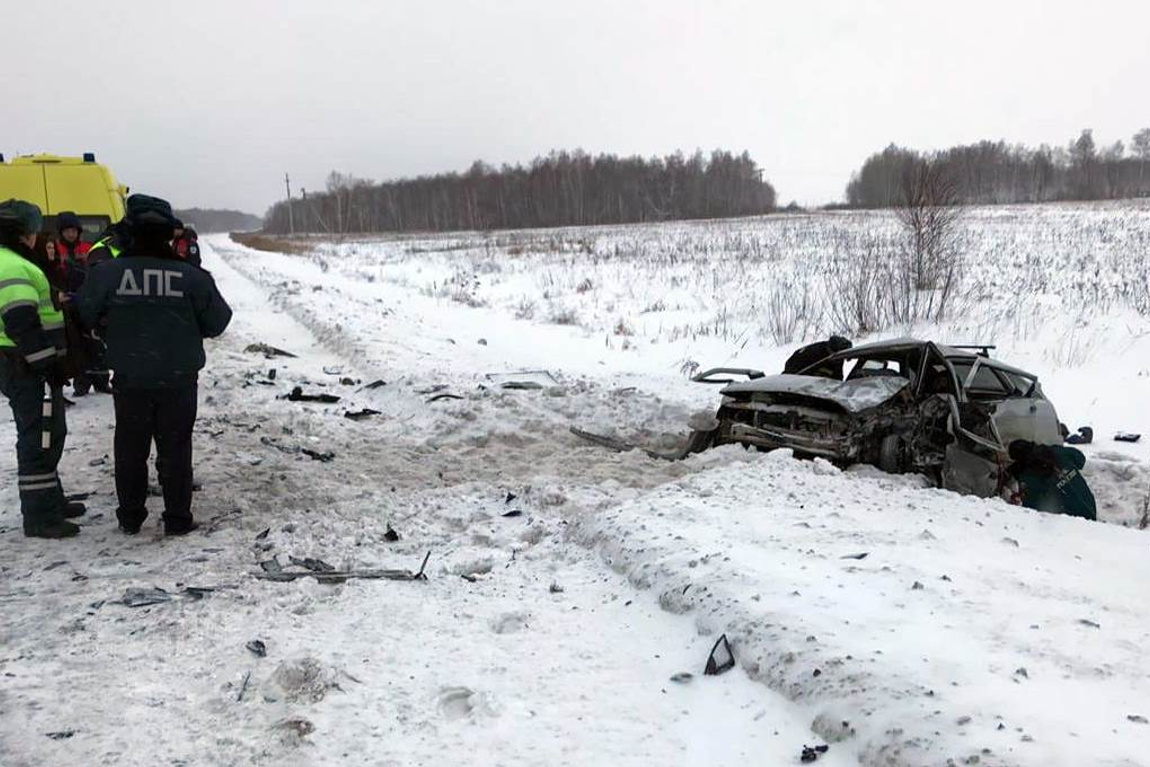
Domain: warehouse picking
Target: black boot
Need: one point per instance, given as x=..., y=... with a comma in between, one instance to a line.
x=181, y=529
x=74, y=509
x=57, y=528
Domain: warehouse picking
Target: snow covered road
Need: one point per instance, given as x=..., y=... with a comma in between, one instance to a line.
x=541, y=655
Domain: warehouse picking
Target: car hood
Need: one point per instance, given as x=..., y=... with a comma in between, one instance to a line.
x=853, y=396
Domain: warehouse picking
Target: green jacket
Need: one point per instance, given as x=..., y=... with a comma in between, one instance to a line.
x=30, y=322
x=1064, y=491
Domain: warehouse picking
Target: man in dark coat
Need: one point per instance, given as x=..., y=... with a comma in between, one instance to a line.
x=1050, y=478
x=808, y=355
x=156, y=310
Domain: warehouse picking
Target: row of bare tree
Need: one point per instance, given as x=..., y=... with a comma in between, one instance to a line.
x=994, y=172
x=561, y=189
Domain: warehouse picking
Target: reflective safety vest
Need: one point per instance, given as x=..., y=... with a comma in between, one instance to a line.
x=23, y=284
x=108, y=243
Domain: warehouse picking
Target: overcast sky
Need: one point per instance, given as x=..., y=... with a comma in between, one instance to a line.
x=208, y=102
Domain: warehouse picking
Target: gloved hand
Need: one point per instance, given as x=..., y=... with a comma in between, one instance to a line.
x=55, y=376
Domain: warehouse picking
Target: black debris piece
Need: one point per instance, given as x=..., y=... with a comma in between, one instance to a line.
x=1137, y=719
x=60, y=734
x=510, y=497
x=376, y=384
x=862, y=555
x=264, y=534
x=272, y=374
x=313, y=564
x=323, y=457
x=390, y=536
x=721, y=659
x=244, y=687
x=512, y=513
x=682, y=677
x=360, y=415
x=268, y=351
x=1125, y=436
x=431, y=389
x=1085, y=436
x=297, y=395
x=438, y=397
x=521, y=385
x=1090, y=623
x=257, y=648
x=812, y=753
x=345, y=381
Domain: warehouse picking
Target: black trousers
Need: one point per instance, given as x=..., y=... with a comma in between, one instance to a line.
x=168, y=417
x=38, y=410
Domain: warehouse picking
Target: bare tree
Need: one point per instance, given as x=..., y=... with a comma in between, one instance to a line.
x=1141, y=146
x=929, y=215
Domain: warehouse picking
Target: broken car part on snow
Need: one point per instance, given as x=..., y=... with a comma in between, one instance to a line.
x=316, y=570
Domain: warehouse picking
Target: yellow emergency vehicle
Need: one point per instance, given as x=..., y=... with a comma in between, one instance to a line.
x=57, y=184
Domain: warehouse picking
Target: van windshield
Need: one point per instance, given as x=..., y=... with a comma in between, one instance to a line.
x=93, y=226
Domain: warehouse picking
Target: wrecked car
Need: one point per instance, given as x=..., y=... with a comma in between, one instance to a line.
x=904, y=405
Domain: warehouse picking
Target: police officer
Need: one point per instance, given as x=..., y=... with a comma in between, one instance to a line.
x=110, y=244
x=1050, y=479
x=31, y=349
x=157, y=309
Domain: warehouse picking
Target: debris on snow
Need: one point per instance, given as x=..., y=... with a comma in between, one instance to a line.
x=266, y=350
x=297, y=395
x=339, y=576
x=812, y=753
x=360, y=415
x=257, y=648
x=721, y=659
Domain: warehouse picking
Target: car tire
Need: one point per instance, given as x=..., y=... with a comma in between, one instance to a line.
x=890, y=454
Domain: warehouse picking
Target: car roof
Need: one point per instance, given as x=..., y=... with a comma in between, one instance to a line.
x=950, y=352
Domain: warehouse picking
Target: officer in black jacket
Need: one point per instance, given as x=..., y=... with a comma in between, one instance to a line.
x=155, y=310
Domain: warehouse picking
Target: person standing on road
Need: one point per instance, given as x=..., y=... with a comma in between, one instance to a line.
x=32, y=347
x=186, y=244
x=157, y=310
x=85, y=349
x=71, y=251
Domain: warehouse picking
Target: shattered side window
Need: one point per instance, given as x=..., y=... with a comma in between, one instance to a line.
x=1024, y=386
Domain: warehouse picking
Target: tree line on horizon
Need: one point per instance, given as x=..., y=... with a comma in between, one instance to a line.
x=219, y=220
x=560, y=189
x=994, y=172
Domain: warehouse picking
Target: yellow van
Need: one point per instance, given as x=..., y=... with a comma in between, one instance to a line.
x=58, y=184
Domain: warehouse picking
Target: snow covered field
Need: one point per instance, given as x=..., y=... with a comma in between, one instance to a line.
x=971, y=632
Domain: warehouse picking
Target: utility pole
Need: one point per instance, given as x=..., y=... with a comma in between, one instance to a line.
x=291, y=218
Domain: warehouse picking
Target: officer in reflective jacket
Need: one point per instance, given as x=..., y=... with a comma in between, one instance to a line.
x=155, y=310
x=32, y=347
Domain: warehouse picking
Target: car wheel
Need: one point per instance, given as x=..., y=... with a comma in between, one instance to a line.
x=890, y=458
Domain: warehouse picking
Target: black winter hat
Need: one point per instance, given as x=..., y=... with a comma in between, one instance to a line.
x=67, y=220
x=21, y=216
x=147, y=212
